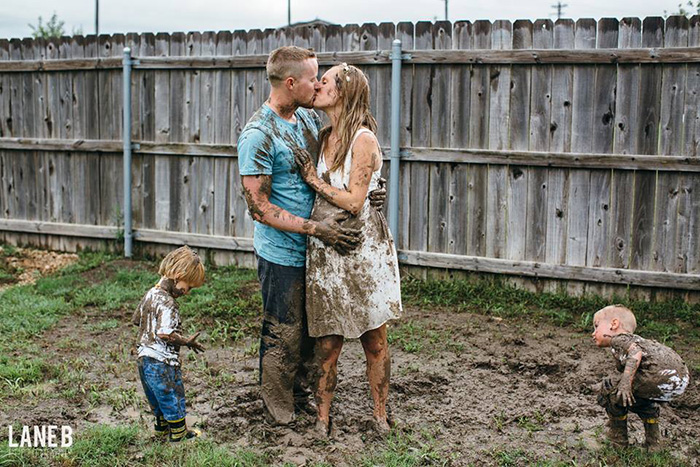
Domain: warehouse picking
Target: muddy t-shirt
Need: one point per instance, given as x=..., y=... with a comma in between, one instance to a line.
x=661, y=375
x=264, y=149
x=158, y=314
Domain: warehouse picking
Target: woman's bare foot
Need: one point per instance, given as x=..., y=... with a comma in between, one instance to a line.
x=381, y=426
x=322, y=428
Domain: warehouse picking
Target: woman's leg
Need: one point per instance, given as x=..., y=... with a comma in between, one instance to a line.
x=378, y=371
x=329, y=351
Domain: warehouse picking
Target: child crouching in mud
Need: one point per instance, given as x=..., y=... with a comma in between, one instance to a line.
x=650, y=373
x=160, y=339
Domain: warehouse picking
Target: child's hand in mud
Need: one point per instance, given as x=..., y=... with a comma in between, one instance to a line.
x=305, y=163
x=195, y=346
x=624, y=393
x=343, y=239
x=377, y=197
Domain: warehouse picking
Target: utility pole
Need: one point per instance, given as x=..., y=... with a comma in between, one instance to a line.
x=289, y=12
x=97, y=17
x=447, y=17
x=559, y=7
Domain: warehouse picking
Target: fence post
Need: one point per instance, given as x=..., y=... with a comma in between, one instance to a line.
x=126, y=135
x=395, y=123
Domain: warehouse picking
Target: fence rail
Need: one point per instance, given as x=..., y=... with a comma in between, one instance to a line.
x=452, y=156
x=381, y=57
x=564, y=150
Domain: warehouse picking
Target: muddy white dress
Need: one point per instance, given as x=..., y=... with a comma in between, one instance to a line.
x=349, y=295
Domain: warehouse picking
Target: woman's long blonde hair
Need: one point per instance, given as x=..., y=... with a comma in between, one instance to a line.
x=352, y=87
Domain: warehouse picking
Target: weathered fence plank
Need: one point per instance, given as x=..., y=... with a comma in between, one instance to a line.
x=539, y=140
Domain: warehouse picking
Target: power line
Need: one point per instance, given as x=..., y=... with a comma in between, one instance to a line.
x=560, y=7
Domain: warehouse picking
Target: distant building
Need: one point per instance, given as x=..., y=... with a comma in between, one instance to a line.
x=314, y=22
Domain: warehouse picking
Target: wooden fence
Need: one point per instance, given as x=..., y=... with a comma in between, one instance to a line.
x=554, y=150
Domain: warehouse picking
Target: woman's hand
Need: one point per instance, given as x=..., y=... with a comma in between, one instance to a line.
x=305, y=163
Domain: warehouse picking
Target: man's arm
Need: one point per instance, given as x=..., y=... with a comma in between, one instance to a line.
x=624, y=388
x=257, y=188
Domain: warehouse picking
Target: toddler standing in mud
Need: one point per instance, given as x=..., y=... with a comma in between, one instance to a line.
x=160, y=339
x=650, y=373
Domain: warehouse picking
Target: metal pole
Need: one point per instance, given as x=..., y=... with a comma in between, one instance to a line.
x=289, y=12
x=395, y=123
x=97, y=17
x=126, y=134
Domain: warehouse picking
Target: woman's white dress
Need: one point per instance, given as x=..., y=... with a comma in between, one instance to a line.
x=348, y=295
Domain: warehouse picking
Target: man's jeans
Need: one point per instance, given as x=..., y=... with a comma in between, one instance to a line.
x=286, y=350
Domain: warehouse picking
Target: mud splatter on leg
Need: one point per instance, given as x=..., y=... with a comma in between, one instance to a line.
x=329, y=351
x=376, y=350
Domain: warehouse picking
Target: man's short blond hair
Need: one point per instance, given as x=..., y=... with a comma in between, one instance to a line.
x=285, y=62
x=183, y=264
x=627, y=320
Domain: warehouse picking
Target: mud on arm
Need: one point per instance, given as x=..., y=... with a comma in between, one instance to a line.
x=257, y=189
x=365, y=158
x=624, y=388
x=176, y=339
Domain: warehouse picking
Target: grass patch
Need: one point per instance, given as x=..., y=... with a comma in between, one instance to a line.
x=117, y=446
x=103, y=446
x=24, y=313
x=663, y=321
x=125, y=288
x=88, y=260
x=637, y=457
x=202, y=452
x=403, y=449
x=413, y=337
x=224, y=306
x=8, y=273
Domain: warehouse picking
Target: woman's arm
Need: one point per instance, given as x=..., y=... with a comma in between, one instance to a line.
x=365, y=157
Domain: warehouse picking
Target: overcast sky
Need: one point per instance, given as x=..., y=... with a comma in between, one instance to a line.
x=214, y=15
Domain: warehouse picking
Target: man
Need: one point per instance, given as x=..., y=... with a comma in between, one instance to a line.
x=280, y=203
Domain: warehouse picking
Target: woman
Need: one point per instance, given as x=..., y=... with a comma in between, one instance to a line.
x=349, y=294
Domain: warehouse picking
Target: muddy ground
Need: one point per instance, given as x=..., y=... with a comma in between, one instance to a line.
x=24, y=265
x=476, y=385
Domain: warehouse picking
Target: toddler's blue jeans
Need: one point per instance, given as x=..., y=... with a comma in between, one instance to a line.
x=164, y=390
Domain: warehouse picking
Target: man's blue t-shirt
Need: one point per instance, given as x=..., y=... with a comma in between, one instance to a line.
x=263, y=149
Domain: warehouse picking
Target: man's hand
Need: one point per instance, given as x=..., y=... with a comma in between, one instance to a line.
x=331, y=233
x=377, y=197
x=624, y=393
x=192, y=344
x=305, y=163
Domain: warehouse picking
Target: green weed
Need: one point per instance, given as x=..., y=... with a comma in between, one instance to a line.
x=202, y=453
x=103, y=446
x=405, y=450
x=408, y=335
x=514, y=457
x=658, y=320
